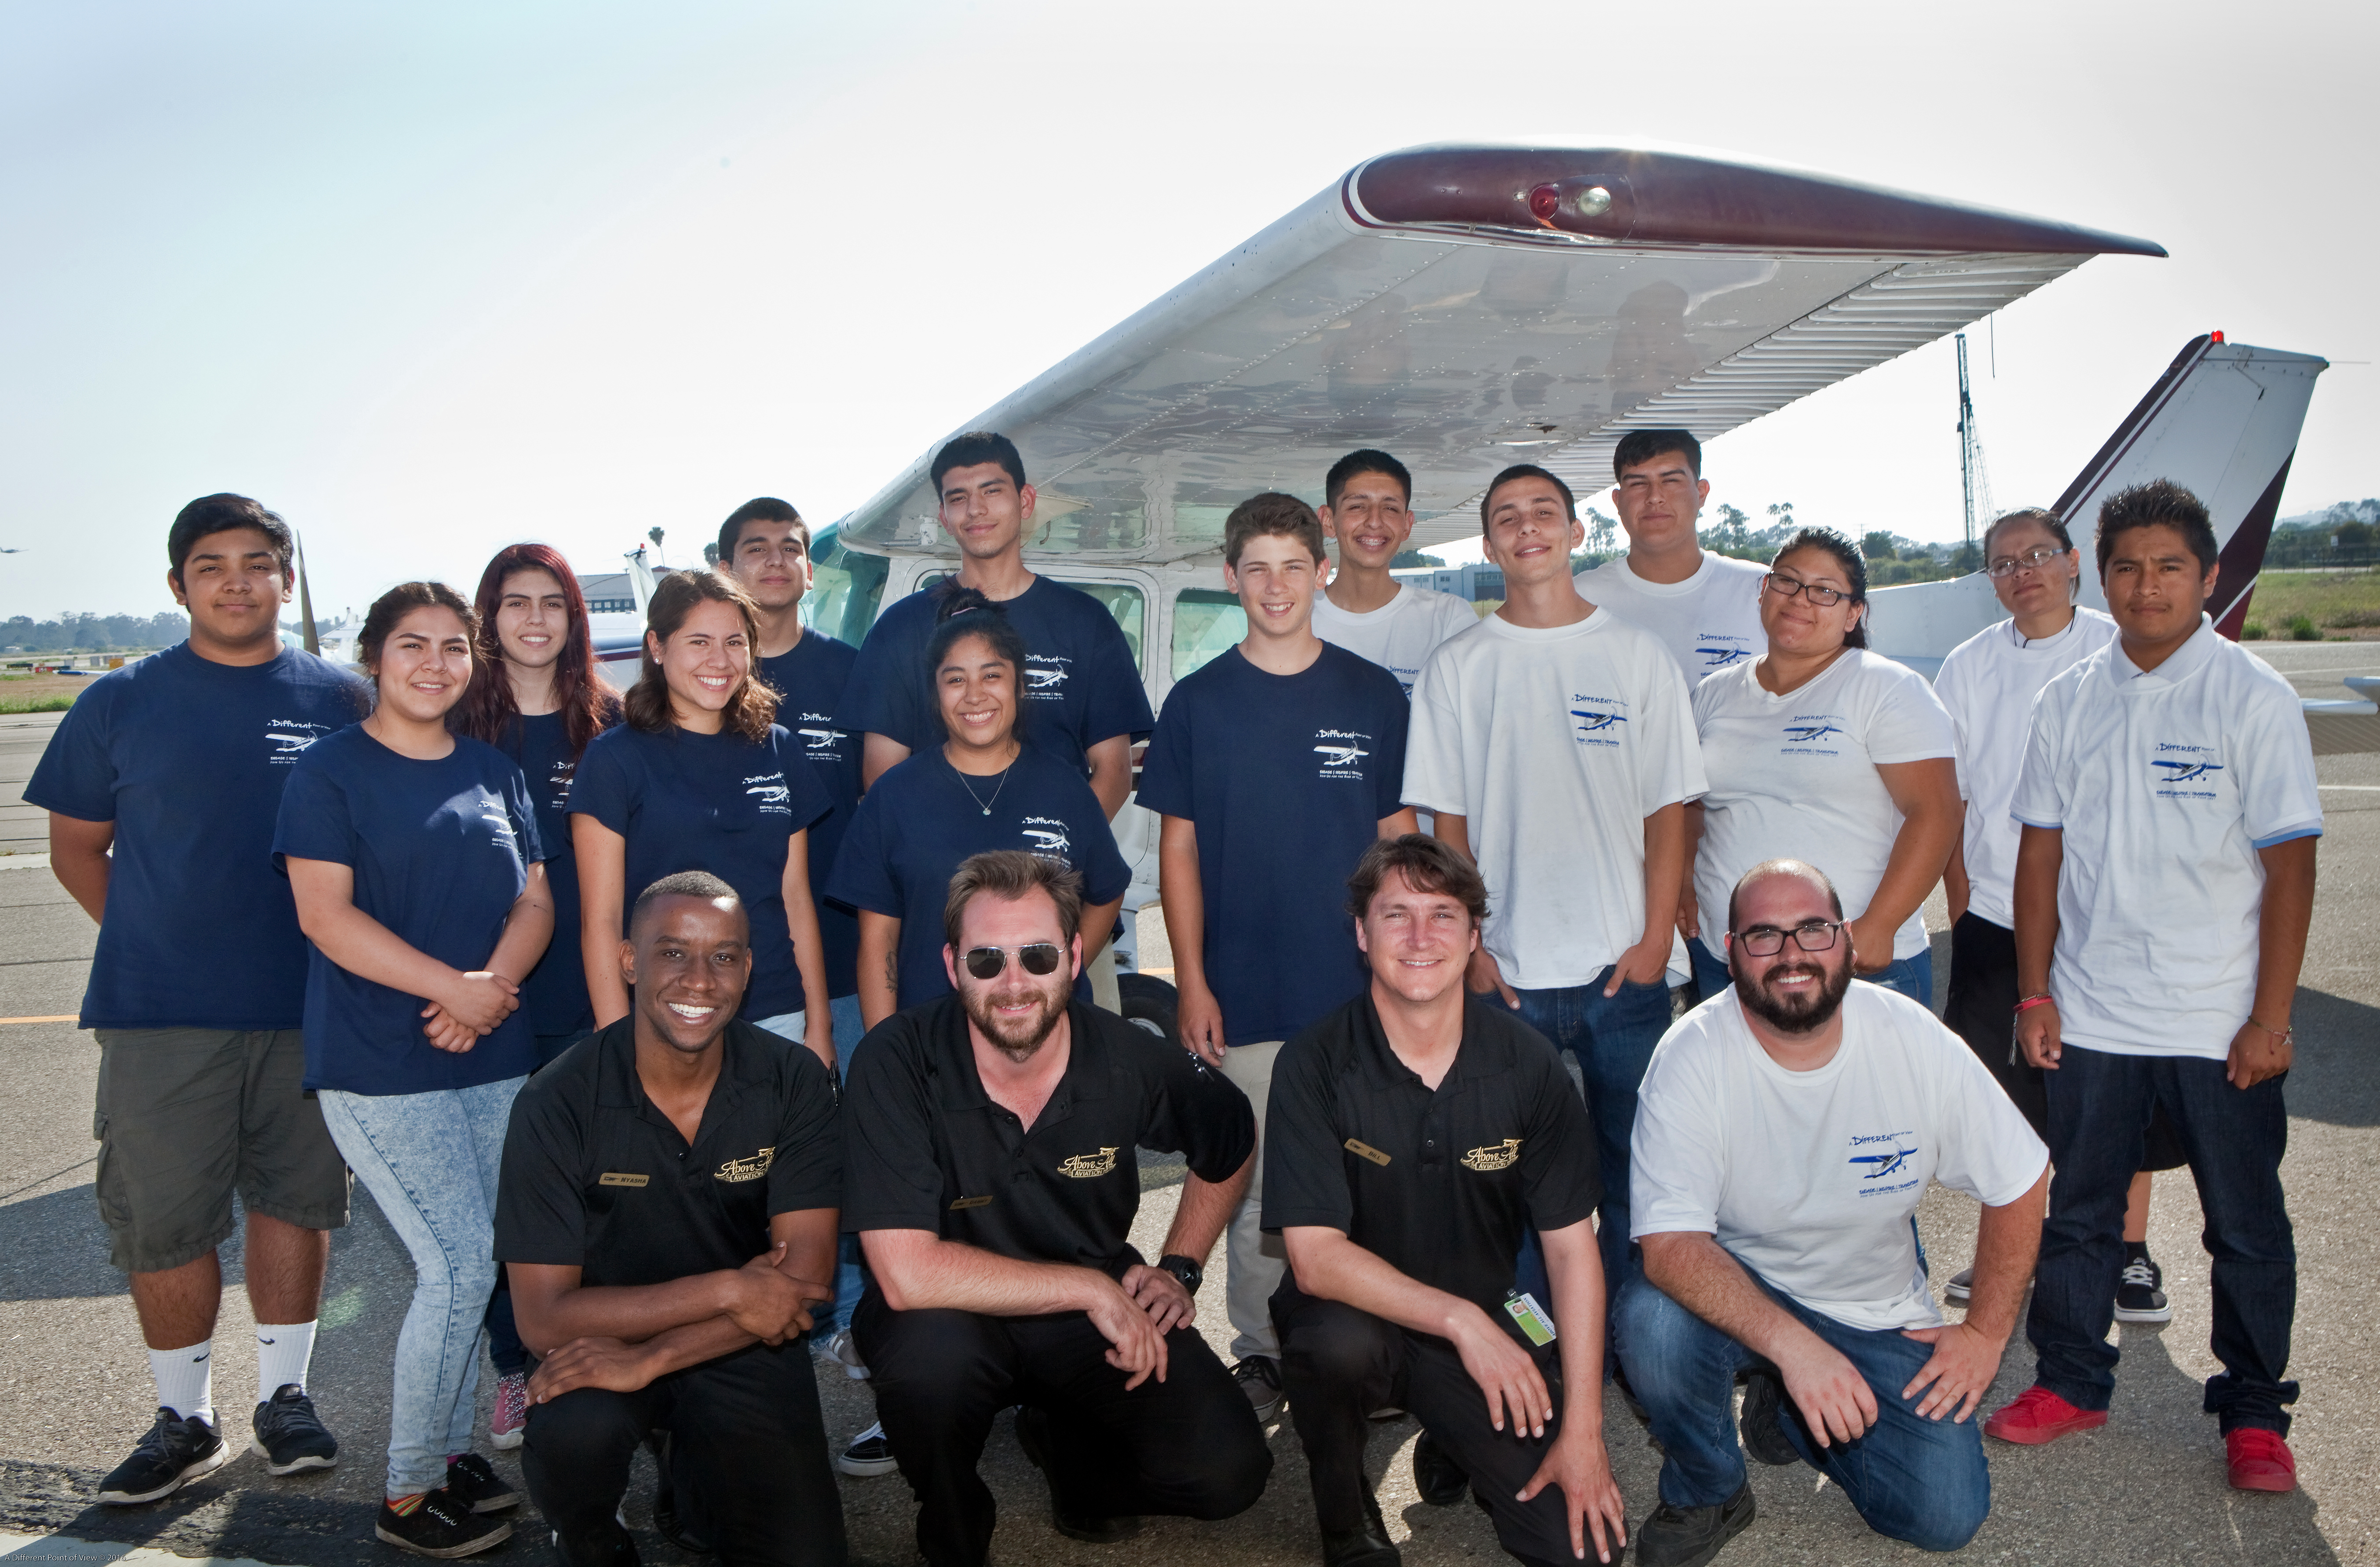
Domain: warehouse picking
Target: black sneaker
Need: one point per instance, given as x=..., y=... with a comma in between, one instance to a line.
x=473, y=1481
x=1438, y=1479
x=1260, y=1377
x=443, y=1525
x=2140, y=1293
x=290, y=1437
x=1689, y=1536
x=870, y=1455
x=175, y=1452
x=1763, y=1421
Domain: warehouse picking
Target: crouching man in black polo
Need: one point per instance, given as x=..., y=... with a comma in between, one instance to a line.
x=991, y=1181
x=1413, y=1137
x=667, y=1212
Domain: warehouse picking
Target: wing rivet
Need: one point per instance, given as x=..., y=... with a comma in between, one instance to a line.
x=1593, y=201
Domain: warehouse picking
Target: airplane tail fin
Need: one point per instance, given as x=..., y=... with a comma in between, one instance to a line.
x=2222, y=421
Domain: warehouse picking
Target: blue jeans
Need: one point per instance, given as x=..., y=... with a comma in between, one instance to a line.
x=2100, y=1109
x=1912, y=977
x=1914, y=1479
x=431, y=1161
x=849, y=1031
x=1613, y=1040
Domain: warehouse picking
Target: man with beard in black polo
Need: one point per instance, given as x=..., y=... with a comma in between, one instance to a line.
x=1415, y=1135
x=991, y=1180
x=667, y=1211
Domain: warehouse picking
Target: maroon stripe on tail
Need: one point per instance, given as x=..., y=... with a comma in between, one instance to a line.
x=2243, y=557
x=2134, y=423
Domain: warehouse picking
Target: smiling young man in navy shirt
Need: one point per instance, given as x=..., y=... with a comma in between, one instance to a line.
x=177, y=763
x=1274, y=767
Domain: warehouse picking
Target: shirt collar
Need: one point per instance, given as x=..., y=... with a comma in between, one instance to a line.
x=960, y=1087
x=617, y=1087
x=2183, y=662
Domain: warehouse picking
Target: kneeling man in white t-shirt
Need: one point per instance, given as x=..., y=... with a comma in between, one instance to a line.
x=1784, y=1132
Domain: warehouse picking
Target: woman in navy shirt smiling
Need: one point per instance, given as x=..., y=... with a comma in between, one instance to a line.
x=414, y=858
x=982, y=788
x=699, y=779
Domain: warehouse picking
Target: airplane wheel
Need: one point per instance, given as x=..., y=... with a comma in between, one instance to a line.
x=1148, y=1003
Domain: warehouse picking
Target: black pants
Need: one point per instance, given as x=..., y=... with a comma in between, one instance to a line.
x=1339, y=1364
x=747, y=1455
x=1981, y=1009
x=1188, y=1445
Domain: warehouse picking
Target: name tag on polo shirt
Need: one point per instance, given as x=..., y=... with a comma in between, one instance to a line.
x=621, y=1178
x=1366, y=1151
x=970, y=1202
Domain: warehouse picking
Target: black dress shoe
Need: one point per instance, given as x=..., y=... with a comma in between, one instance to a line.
x=1031, y=1424
x=1762, y=1422
x=681, y=1533
x=1367, y=1545
x=1690, y=1536
x=1438, y=1479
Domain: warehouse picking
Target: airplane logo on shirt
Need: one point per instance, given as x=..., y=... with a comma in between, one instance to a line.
x=821, y=739
x=1884, y=1163
x=2183, y=771
x=1720, y=658
x=291, y=735
x=773, y=792
x=1045, y=842
x=1804, y=734
x=1334, y=754
x=1045, y=675
x=1492, y=1158
x=1590, y=721
x=1088, y=1166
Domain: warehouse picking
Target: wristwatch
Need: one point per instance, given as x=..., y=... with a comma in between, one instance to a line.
x=1183, y=1268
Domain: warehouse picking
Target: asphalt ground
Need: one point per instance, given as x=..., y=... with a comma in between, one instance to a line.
x=75, y=1392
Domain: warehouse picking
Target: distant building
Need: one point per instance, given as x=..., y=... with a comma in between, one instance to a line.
x=1477, y=582
x=608, y=593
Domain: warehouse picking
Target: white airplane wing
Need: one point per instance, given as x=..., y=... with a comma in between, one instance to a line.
x=1468, y=306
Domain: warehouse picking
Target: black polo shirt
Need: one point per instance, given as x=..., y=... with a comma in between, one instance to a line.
x=1440, y=1185
x=928, y=1150
x=596, y=1177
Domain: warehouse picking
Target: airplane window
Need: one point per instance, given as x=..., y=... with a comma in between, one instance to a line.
x=1125, y=604
x=846, y=586
x=1206, y=621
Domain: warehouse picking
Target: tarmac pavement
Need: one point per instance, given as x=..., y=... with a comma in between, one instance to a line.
x=75, y=1392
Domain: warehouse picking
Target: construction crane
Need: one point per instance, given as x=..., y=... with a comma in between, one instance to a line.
x=1973, y=478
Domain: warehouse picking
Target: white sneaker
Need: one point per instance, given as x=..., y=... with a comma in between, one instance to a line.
x=1962, y=1285
x=843, y=1350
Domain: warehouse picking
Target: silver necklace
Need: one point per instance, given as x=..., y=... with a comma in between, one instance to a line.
x=996, y=788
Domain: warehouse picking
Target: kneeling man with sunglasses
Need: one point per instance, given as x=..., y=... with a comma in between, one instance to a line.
x=1784, y=1132
x=990, y=1176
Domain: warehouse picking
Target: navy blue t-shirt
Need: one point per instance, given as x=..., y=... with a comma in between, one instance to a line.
x=1286, y=778
x=1080, y=684
x=441, y=851
x=810, y=680
x=187, y=758
x=554, y=994
x=922, y=818
x=718, y=802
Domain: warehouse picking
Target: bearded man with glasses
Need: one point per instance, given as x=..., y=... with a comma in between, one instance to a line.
x=991, y=1179
x=1785, y=1131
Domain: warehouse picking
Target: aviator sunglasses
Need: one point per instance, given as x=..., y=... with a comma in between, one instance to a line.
x=1039, y=957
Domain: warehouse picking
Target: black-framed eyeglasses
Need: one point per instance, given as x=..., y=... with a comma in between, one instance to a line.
x=2032, y=560
x=1811, y=936
x=1039, y=957
x=1785, y=587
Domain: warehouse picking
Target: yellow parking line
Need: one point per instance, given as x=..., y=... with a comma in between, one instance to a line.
x=69, y=1017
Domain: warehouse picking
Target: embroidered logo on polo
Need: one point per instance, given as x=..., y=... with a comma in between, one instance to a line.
x=751, y=1167
x=820, y=731
x=774, y=795
x=1088, y=1166
x=2177, y=765
x=1494, y=1157
x=1878, y=1158
x=1049, y=835
x=1812, y=735
x=1599, y=719
x=290, y=736
x=1341, y=750
x=1045, y=677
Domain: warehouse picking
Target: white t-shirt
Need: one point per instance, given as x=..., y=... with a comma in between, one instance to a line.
x=1987, y=685
x=1711, y=621
x=1809, y=1178
x=1399, y=636
x=1555, y=744
x=1794, y=777
x=2164, y=785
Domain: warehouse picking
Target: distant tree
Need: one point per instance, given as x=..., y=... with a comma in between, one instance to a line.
x=1781, y=513
x=1413, y=559
x=2356, y=535
x=1878, y=546
x=1602, y=533
x=1731, y=531
x=655, y=535
x=1966, y=559
x=710, y=554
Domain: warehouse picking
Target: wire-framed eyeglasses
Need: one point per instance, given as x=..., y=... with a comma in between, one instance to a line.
x=1786, y=587
x=1767, y=941
x=2032, y=560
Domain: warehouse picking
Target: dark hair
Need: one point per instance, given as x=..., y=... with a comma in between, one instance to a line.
x=2048, y=519
x=1847, y=555
x=973, y=449
x=686, y=884
x=765, y=508
x=588, y=705
x=1367, y=459
x=220, y=513
x=1801, y=868
x=1008, y=875
x=1427, y=865
x=1272, y=515
x=1526, y=470
x=1644, y=445
x=392, y=607
x=961, y=613
x=2160, y=503
x=753, y=706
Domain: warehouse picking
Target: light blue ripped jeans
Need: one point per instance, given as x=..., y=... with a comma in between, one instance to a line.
x=429, y=1160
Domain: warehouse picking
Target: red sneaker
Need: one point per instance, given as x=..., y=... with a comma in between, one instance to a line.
x=2039, y=1416
x=2260, y=1460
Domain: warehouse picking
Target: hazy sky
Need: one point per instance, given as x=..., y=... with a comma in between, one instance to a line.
x=431, y=278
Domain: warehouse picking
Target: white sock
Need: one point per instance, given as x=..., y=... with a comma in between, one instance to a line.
x=186, y=1379
x=283, y=1352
